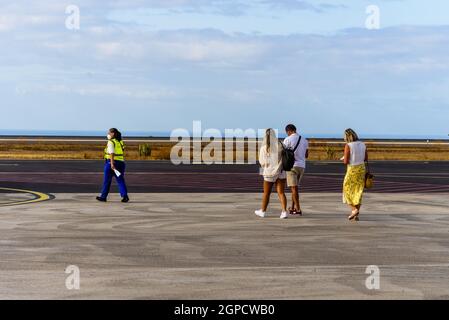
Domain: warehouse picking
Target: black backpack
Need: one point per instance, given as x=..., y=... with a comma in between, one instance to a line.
x=288, y=156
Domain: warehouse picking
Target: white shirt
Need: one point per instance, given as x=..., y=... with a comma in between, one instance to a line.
x=300, y=153
x=358, y=150
x=111, y=147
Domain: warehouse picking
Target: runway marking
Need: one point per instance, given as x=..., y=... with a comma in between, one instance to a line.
x=38, y=197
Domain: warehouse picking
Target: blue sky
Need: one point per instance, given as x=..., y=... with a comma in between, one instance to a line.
x=157, y=65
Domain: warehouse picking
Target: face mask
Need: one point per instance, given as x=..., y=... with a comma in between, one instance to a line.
x=109, y=137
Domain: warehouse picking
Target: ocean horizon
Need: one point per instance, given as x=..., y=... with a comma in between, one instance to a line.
x=165, y=134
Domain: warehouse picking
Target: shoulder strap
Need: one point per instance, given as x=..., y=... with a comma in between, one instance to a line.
x=297, y=145
x=283, y=146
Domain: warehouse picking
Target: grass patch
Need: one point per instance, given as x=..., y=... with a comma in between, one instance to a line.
x=161, y=151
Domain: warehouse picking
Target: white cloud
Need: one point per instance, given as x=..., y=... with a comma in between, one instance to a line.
x=21, y=13
x=12, y=21
x=100, y=89
x=120, y=49
x=208, y=50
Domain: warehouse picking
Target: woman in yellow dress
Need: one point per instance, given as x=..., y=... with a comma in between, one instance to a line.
x=354, y=184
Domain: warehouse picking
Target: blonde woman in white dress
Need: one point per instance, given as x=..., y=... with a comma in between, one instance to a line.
x=270, y=159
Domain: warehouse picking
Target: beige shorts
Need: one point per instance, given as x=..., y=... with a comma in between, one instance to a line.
x=294, y=177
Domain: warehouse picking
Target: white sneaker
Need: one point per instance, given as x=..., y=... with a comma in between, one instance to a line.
x=284, y=215
x=260, y=213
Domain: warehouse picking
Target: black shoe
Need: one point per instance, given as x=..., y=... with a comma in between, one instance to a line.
x=125, y=199
x=101, y=199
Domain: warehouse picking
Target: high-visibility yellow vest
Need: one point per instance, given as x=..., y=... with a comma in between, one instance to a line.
x=119, y=150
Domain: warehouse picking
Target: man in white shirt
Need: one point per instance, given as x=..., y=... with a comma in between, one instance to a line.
x=294, y=176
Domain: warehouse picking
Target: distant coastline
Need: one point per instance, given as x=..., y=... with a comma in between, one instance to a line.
x=166, y=135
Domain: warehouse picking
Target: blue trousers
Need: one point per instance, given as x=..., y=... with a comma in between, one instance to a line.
x=109, y=173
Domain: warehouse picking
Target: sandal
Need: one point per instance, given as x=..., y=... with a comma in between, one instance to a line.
x=295, y=212
x=354, y=215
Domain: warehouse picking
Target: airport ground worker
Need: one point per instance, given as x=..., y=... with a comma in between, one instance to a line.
x=114, y=166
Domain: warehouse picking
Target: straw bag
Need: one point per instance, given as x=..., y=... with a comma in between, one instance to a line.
x=369, y=178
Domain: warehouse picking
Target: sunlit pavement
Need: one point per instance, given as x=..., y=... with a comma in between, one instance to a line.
x=212, y=246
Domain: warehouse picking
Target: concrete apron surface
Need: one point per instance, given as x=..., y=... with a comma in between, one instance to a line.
x=213, y=246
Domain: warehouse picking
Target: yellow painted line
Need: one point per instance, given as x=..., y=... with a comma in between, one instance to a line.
x=39, y=197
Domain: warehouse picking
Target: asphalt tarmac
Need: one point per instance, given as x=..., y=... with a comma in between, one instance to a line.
x=164, y=177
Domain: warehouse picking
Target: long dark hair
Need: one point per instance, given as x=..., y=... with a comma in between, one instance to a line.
x=117, y=134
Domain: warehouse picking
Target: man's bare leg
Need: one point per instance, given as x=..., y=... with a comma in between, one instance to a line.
x=295, y=199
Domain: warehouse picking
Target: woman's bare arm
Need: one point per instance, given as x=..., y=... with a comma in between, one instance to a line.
x=347, y=155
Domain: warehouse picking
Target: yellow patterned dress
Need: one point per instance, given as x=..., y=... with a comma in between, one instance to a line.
x=354, y=184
